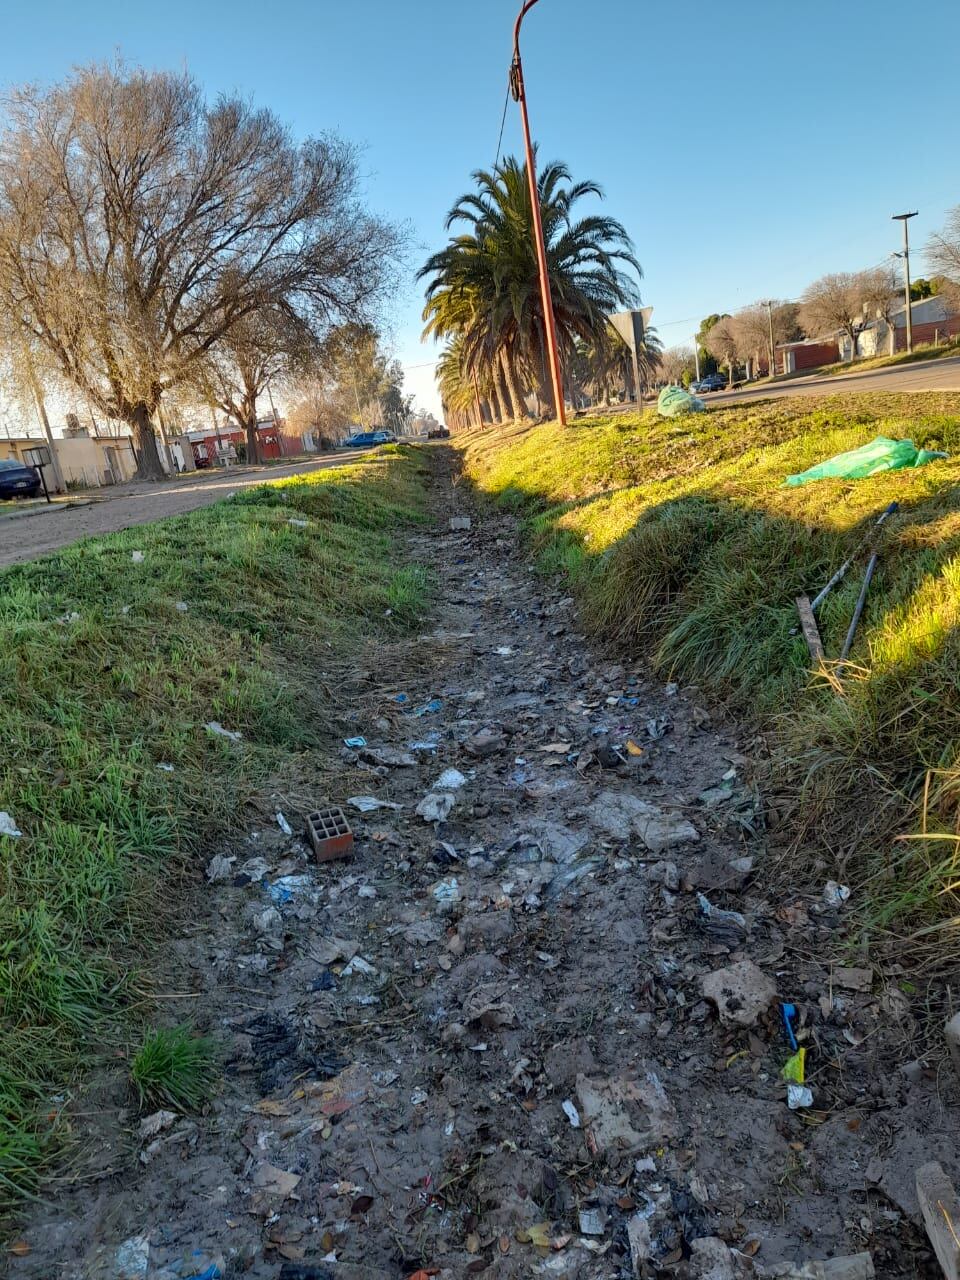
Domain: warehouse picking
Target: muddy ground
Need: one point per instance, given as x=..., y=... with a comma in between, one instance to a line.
x=492, y=1044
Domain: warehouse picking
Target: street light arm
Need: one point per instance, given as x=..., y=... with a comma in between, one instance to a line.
x=516, y=30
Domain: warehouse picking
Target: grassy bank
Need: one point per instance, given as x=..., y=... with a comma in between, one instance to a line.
x=679, y=539
x=105, y=679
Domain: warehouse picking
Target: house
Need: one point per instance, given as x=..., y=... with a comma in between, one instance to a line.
x=212, y=445
x=85, y=461
x=808, y=353
x=933, y=322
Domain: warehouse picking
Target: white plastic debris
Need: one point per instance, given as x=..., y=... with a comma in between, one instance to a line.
x=298, y=524
x=182, y=607
x=8, y=827
x=571, y=1112
x=358, y=965
x=835, y=895
x=66, y=618
x=369, y=804
x=446, y=893
x=133, y=1259
x=137, y=557
x=504, y=651
x=283, y=824
x=214, y=726
x=450, y=780
x=435, y=806
x=166, y=766
x=459, y=522
x=220, y=868
x=799, y=1095
x=418, y=1097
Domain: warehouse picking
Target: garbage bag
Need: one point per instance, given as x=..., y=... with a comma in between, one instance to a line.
x=871, y=459
x=674, y=401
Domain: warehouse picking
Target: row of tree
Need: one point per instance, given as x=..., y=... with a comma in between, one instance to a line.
x=841, y=304
x=159, y=250
x=483, y=295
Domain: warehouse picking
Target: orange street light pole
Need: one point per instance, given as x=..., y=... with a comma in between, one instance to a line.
x=546, y=298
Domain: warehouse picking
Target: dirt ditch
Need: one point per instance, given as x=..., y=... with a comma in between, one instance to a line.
x=535, y=1028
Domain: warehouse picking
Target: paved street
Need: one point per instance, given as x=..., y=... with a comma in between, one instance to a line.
x=28, y=536
x=926, y=375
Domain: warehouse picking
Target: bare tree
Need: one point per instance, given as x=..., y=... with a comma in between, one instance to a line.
x=139, y=225
x=676, y=361
x=263, y=349
x=724, y=343
x=882, y=297
x=836, y=304
x=942, y=253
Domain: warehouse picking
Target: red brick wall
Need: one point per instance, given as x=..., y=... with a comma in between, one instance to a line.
x=926, y=333
x=813, y=355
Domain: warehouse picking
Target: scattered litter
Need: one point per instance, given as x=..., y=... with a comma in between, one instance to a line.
x=941, y=1214
x=674, y=402
x=793, y=1069
x=275, y=1182
x=181, y=606
x=283, y=824
x=358, y=966
x=137, y=557
x=66, y=618
x=593, y=1222
x=659, y=727
x=835, y=895
x=622, y=1115
x=798, y=1096
x=388, y=757
x=728, y=928
x=429, y=743
x=8, y=827
x=418, y=1097
x=269, y=925
x=881, y=454
x=428, y=708
x=166, y=766
x=214, y=726
x=446, y=893
x=621, y=815
x=435, y=806
x=459, y=522
x=401, y=698
x=369, y=804
x=450, y=780
x=504, y=651
x=641, y=1245
x=220, y=867
x=150, y=1126
x=355, y=743
x=286, y=888
x=789, y=1012
x=133, y=1259
x=298, y=524
x=571, y=1112
x=484, y=743
x=253, y=870
x=741, y=992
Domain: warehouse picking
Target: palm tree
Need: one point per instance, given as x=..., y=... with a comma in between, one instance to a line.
x=485, y=285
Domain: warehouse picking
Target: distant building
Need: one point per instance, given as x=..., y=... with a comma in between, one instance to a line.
x=808, y=353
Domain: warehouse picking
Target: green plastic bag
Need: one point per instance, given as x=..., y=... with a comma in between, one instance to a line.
x=871, y=459
x=674, y=401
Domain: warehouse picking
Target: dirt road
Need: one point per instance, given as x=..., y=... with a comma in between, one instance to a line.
x=28, y=536
x=490, y=1043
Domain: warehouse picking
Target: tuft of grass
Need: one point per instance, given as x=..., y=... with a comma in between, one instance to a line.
x=176, y=1067
x=94, y=704
x=679, y=538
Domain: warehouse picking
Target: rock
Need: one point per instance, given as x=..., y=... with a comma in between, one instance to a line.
x=624, y=1115
x=710, y=1259
x=665, y=873
x=487, y=1006
x=741, y=867
x=484, y=743
x=941, y=1216
x=857, y=1266
x=853, y=979
x=388, y=757
x=621, y=815
x=741, y=993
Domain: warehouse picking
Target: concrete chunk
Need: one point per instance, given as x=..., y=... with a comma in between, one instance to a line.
x=941, y=1216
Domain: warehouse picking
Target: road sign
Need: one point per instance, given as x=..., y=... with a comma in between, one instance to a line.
x=37, y=457
x=630, y=326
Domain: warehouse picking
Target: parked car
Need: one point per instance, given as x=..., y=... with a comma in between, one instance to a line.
x=17, y=480
x=362, y=440
x=712, y=382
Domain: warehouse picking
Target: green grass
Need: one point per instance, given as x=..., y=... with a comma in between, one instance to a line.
x=681, y=542
x=176, y=1067
x=93, y=706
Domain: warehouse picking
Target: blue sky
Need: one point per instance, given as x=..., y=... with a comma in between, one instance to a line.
x=747, y=148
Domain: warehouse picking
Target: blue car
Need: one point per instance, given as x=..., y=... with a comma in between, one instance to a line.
x=17, y=480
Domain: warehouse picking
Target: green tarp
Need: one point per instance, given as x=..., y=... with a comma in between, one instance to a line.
x=871, y=459
x=674, y=401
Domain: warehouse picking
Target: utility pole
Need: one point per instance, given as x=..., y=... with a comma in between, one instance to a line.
x=904, y=218
x=546, y=298
x=696, y=355
x=773, y=352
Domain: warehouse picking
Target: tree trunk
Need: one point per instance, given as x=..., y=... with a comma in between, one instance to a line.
x=516, y=400
x=499, y=399
x=149, y=466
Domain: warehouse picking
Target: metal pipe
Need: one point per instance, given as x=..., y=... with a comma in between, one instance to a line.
x=546, y=297
x=818, y=599
x=854, y=621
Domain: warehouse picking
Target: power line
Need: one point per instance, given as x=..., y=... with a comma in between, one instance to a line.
x=503, y=121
